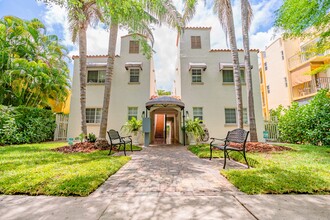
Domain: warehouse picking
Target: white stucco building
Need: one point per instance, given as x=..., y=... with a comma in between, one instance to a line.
x=203, y=88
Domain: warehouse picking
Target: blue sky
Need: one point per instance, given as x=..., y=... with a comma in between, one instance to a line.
x=55, y=20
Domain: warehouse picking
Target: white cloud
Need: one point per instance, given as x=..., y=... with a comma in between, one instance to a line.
x=165, y=38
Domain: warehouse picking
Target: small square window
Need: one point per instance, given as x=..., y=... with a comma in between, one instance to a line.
x=196, y=42
x=132, y=112
x=285, y=82
x=266, y=67
x=282, y=54
x=198, y=113
x=93, y=115
x=196, y=75
x=268, y=89
x=230, y=116
x=134, y=75
x=134, y=46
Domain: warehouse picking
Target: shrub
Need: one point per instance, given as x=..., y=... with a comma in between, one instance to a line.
x=91, y=137
x=20, y=125
x=308, y=123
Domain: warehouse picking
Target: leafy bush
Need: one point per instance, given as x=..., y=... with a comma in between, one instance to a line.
x=20, y=125
x=132, y=126
x=308, y=123
x=91, y=137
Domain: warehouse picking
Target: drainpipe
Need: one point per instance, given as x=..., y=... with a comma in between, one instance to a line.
x=184, y=128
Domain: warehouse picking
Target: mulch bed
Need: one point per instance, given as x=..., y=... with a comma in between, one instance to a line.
x=261, y=147
x=85, y=147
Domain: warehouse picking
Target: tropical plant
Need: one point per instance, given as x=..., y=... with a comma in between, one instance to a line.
x=246, y=12
x=194, y=127
x=32, y=65
x=223, y=9
x=132, y=126
x=162, y=92
x=91, y=137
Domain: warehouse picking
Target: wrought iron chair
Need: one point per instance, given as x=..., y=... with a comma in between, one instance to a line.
x=117, y=140
x=235, y=136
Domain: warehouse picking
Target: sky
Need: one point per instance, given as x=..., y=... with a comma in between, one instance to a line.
x=262, y=32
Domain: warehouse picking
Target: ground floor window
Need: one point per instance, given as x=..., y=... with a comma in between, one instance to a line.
x=198, y=113
x=230, y=116
x=134, y=75
x=132, y=112
x=93, y=115
x=196, y=75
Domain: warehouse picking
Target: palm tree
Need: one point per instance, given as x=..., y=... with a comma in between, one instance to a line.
x=225, y=14
x=246, y=12
x=80, y=16
x=135, y=20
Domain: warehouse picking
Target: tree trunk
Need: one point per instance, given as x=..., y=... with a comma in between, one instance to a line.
x=248, y=74
x=108, y=78
x=83, y=73
x=236, y=67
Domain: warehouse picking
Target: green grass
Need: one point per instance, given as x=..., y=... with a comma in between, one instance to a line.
x=304, y=170
x=34, y=169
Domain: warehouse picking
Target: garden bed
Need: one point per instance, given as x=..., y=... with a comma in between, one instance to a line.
x=261, y=147
x=87, y=147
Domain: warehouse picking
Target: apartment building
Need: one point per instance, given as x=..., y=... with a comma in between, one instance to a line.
x=287, y=65
x=133, y=83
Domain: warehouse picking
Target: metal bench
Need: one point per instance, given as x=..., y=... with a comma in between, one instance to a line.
x=117, y=140
x=235, y=136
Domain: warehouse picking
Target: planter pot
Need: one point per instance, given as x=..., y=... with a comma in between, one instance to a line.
x=136, y=138
x=191, y=138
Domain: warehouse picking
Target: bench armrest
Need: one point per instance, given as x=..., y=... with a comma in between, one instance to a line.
x=218, y=139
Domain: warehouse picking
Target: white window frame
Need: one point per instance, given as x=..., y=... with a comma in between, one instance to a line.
x=131, y=74
x=198, y=113
x=95, y=117
x=196, y=73
x=196, y=42
x=245, y=116
x=242, y=71
x=99, y=79
x=132, y=111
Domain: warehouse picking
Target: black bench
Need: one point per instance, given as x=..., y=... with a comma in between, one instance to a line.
x=117, y=140
x=235, y=136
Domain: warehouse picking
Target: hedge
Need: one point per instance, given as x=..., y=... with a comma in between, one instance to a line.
x=19, y=125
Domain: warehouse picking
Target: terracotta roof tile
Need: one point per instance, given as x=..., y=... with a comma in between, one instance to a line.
x=93, y=56
x=228, y=50
x=197, y=27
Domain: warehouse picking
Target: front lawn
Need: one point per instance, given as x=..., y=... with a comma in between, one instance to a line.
x=304, y=170
x=34, y=169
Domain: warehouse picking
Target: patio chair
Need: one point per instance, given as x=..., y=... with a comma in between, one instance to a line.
x=117, y=140
x=235, y=136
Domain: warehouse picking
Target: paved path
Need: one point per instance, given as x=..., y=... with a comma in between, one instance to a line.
x=167, y=182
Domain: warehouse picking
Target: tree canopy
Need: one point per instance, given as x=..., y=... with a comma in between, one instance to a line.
x=32, y=69
x=306, y=18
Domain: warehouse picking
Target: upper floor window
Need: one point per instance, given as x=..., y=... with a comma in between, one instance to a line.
x=285, y=82
x=268, y=89
x=93, y=115
x=134, y=46
x=230, y=116
x=196, y=42
x=196, y=75
x=198, y=113
x=282, y=54
x=134, y=75
x=266, y=67
x=132, y=112
x=228, y=76
x=96, y=76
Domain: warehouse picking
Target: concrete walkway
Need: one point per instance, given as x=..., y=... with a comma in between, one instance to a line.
x=167, y=182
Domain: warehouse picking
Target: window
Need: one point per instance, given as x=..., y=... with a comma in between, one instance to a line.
x=132, y=112
x=198, y=113
x=268, y=89
x=134, y=75
x=285, y=82
x=196, y=42
x=230, y=116
x=266, y=67
x=96, y=76
x=93, y=115
x=196, y=75
x=228, y=76
x=282, y=54
x=134, y=46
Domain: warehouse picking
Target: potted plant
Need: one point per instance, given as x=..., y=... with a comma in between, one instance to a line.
x=194, y=130
x=133, y=128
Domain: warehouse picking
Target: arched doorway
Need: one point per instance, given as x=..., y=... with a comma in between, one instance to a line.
x=167, y=118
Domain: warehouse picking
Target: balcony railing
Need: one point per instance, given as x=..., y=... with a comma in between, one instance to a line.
x=300, y=58
x=310, y=87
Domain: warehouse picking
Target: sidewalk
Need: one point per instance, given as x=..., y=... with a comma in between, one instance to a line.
x=167, y=182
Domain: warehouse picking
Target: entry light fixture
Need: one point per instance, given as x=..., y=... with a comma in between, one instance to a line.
x=143, y=114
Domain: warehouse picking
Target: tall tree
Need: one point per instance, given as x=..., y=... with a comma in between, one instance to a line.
x=224, y=11
x=246, y=12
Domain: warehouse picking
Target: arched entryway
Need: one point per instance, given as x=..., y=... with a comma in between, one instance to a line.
x=167, y=118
